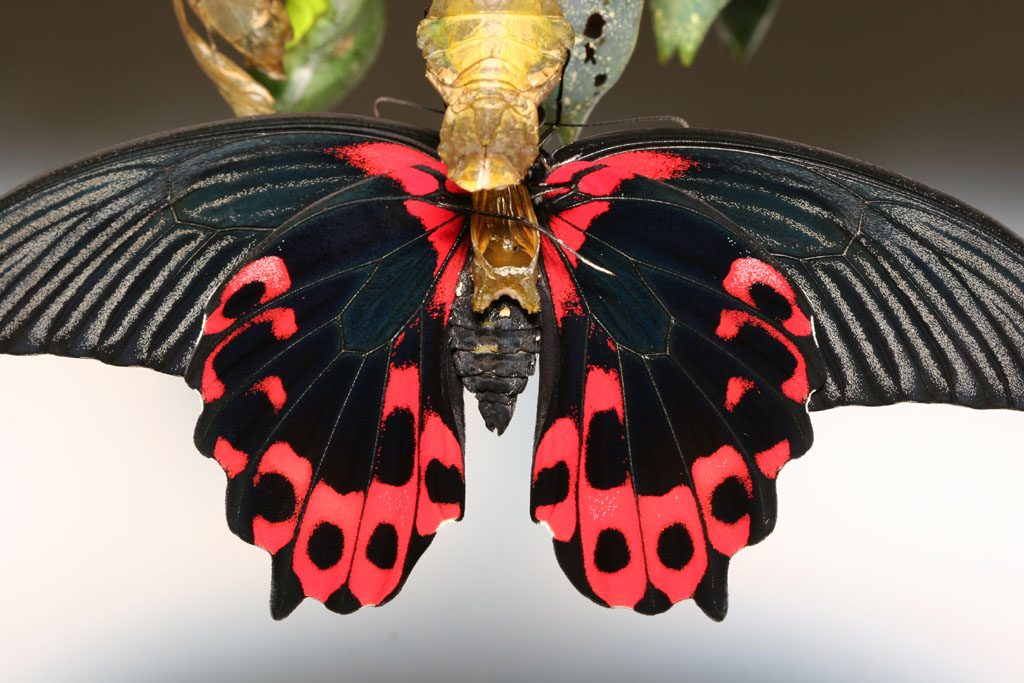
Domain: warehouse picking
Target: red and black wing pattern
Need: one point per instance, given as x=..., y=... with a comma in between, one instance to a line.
x=315, y=246
x=676, y=364
x=114, y=257
x=916, y=296
x=330, y=397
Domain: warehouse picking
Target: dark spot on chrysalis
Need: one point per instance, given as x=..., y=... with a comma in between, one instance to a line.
x=273, y=498
x=396, y=453
x=552, y=485
x=606, y=466
x=590, y=56
x=594, y=27
x=444, y=484
x=675, y=547
x=244, y=300
x=600, y=79
x=611, y=554
x=326, y=545
x=730, y=501
x=382, y=550
x=770, y=302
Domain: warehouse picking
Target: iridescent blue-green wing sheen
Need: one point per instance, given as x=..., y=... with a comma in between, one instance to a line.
x=330, y=396
x=915, y=295
x=677, y=360
x=115, y=256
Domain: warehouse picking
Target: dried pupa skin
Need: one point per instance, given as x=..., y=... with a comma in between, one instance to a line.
x=506, y=248
x=258, y=29
x=493, y=61
x=244, y=93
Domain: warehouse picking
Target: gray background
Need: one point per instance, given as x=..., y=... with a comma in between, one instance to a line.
x=898, y=551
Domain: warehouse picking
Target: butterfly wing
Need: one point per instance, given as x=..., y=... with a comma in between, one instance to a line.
x=677, y=360
x=330, y=397
x=325, y=270
x=916, y=296
x=115, y=256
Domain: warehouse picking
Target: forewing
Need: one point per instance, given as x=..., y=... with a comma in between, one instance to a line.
x=916, y=296
x=329, y=394
x=114, y=257
x=676, y=364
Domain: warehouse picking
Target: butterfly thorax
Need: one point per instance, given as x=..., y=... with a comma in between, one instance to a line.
x=493, y=61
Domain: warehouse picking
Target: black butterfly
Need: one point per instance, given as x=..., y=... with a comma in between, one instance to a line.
x=699, y=289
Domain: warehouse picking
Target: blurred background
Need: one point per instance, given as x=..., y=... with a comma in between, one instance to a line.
x=898, y=552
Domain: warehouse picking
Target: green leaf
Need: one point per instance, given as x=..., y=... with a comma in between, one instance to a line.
x=606, y=32
x=331, y=57
x=682, y=25
x=743, y=25
x=302, y=14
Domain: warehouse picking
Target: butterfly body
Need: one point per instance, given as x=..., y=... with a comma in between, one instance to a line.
x=697, y=291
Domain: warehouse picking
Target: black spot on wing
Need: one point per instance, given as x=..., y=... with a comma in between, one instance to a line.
x=551, y=486
x=326, y=545
x=396, y=455
x=606, y=466
x=675, y=547
x=382, y=549
x=611, y=554
x=273, y=498
x=444, y=484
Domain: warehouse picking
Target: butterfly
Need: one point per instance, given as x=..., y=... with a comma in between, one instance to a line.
x=700, y=290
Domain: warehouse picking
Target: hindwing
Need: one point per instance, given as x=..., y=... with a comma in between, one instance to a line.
x=682, y=362
x=329, y=392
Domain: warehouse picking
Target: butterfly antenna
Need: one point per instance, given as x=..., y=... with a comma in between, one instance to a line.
x=402, y=103
x=558, y=103
x=679, y=120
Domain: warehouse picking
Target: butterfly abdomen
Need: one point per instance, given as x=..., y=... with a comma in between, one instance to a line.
x=493, y=61
x=495, y=351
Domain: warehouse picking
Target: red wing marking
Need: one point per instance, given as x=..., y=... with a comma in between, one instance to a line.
x=610, y=171
x=609, y=519
x=603, y=392
x=332, y=520
x=390, y=510
x=747, y=272
x=709, y=473
x=281, y=459
x=653, y=165
x=564, y=297
x=770, y=461
x=272, y=387
x=442, y=226
x=565, y=172
x=230, y=458
x=734, y=391
x=444, y=290
x=269, y=270
x=570, y=226
x=282, y=326
x=797, y=386
x=394, y=161
x=673, y=542
x=437, y=444
x=560, y=445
